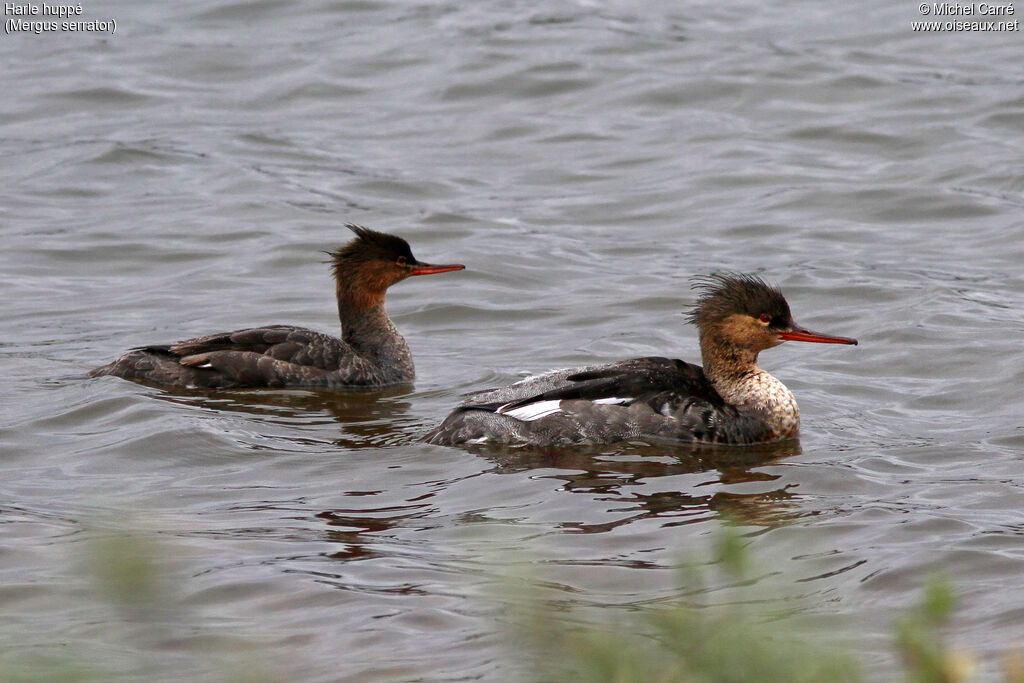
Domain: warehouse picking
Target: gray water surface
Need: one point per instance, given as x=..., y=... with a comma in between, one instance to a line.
x=584, y=160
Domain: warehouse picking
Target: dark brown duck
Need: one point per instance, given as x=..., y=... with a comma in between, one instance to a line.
x=730, y=400
x=369, y=353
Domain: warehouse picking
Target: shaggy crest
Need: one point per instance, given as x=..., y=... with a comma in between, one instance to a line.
x=369, y=245
x=724, y=294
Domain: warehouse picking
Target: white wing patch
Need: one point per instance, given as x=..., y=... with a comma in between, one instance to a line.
x=539, y=409
x=532, y=411
x=614, y=401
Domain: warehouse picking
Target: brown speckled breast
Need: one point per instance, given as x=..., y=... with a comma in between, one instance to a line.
x=759, y=392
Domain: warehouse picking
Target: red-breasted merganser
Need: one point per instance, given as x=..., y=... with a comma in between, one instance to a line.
x=370, y=352
x=728, y=401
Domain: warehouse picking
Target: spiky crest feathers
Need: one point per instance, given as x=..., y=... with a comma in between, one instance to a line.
x=370, y=245
x=724, y=294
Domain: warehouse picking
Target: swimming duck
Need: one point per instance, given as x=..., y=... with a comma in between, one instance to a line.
x=730, y=400
x=370, y=352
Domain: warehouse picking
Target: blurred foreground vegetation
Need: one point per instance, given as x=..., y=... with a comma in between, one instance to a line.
x=745, y=635
x=737, y=640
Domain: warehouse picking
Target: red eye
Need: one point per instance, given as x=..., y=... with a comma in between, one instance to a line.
x=765, y=318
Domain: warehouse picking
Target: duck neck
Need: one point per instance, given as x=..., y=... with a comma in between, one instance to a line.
x=738, y=379
x=369, y=332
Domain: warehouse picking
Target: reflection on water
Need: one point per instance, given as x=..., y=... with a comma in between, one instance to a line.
x=613, y=475
x=614, y=479
x=367, y=418
x=633, y=462
x=352, y=528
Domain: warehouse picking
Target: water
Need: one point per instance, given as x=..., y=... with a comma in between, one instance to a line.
x=584, y=160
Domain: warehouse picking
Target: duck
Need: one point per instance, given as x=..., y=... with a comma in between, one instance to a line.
x=729, y=400
x=370, y=352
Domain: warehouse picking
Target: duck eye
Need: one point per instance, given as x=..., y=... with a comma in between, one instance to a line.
x=765, y=318
x=401, y=260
